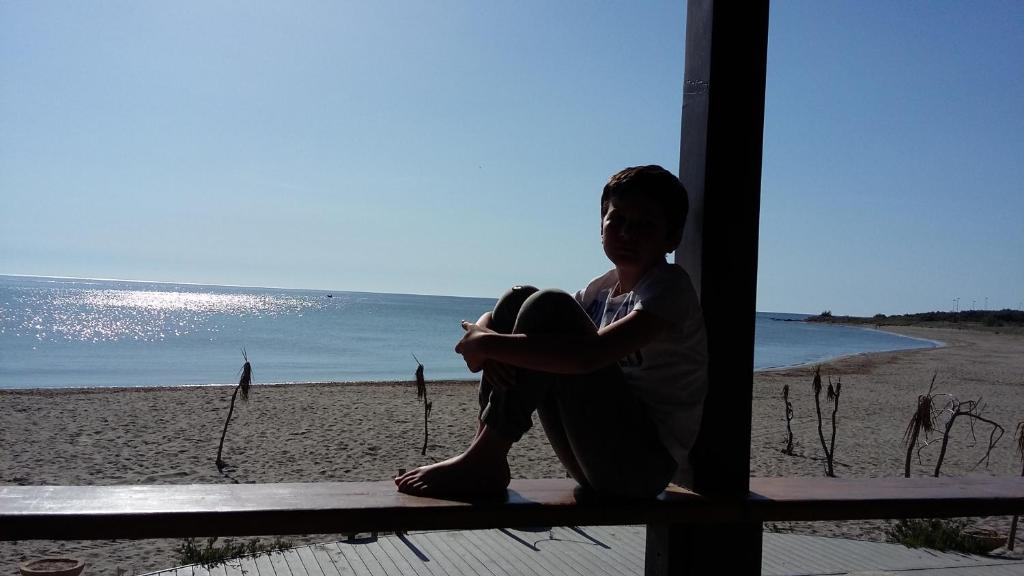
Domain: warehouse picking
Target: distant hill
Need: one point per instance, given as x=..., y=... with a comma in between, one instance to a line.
x=990, y=320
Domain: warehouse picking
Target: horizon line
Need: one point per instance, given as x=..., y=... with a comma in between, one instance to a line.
x=181, y=283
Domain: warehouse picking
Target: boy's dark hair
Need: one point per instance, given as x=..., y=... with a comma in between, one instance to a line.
x=656, y=183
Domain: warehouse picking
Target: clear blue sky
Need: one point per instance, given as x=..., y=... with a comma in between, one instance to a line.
x=458, y=148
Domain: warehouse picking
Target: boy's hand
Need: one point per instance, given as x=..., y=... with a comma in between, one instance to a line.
x=471, y=345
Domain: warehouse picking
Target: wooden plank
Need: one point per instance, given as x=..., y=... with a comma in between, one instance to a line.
x=263, y=565
x=346, y=552
x=589, y=556
x=490, y=565
x=884, y=498
x=291, y=556
x=340, y=561
x=233, y=567
x=511, y=548
x=280, y=564
x=434, y=546
x=629, y=540
x=326, y=563
x=497, y=552
x=585, y=558
x=382, y=557
x=458, y=545
x=247, y=566
x=309, y=561
x=408, y=548
x=169, y=511
x=361, y=550
x=407, y=561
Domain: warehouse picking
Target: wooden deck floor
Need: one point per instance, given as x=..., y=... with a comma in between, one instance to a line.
x=585, y=551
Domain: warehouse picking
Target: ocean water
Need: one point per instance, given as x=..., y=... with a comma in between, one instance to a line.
x=61, y=333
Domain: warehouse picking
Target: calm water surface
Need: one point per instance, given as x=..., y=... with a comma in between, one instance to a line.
x=57, y=333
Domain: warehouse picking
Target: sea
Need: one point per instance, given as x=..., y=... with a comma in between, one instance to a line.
x=74, y=333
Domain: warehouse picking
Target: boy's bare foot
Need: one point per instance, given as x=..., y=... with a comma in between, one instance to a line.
x=482, y=470
x=458, y=476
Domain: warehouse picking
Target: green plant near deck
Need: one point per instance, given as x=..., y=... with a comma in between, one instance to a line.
x=937, y=534
x=209, y=553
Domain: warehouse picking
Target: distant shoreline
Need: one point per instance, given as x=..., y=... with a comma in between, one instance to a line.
x=457, y=381
x=935, y=344
x=1006, y=320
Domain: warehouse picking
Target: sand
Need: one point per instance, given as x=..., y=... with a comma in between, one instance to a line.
x=342, y=432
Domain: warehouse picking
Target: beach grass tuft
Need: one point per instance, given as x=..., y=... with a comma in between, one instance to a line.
x=211, y=553
x=937, y=534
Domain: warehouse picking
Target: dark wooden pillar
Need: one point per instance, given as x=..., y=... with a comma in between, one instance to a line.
x=720, y=165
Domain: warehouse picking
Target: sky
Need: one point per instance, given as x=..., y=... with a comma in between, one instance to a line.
x=459, y=148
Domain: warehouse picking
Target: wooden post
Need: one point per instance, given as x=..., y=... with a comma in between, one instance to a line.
x=720, y=165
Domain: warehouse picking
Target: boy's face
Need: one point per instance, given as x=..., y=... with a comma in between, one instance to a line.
x=634, y=232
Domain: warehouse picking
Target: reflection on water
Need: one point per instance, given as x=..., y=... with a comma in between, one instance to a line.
x=74, y=333
x=96, y=315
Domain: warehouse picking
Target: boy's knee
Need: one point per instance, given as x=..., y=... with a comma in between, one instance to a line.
x=505, y=312
x=549, y=310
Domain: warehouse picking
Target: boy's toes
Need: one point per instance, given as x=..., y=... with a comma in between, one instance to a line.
x=413, y=487
x=405, y=481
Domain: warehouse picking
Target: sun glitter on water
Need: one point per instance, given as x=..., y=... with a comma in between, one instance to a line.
x=144, y=315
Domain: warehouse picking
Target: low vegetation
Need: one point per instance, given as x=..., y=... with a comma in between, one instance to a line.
x=937, y=534
x=209, y=552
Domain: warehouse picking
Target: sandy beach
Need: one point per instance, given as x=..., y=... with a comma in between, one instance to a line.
x=340, y=432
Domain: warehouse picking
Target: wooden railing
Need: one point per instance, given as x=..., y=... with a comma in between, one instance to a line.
x=153, y=511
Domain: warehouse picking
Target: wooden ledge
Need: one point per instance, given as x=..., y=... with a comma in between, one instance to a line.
x=773, y=499
x=172, y=511
x=149, y=511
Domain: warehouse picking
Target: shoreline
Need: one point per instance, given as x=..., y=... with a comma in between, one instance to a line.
x=473, y=380
x=367, y=431
x=167, y=388
x=831, y=359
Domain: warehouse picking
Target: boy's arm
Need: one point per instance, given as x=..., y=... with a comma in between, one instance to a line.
x=558, y=353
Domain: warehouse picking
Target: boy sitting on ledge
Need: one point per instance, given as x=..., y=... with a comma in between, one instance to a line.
x=617, y=373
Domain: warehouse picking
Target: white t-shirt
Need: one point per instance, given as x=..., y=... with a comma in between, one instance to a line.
x=669, y=375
